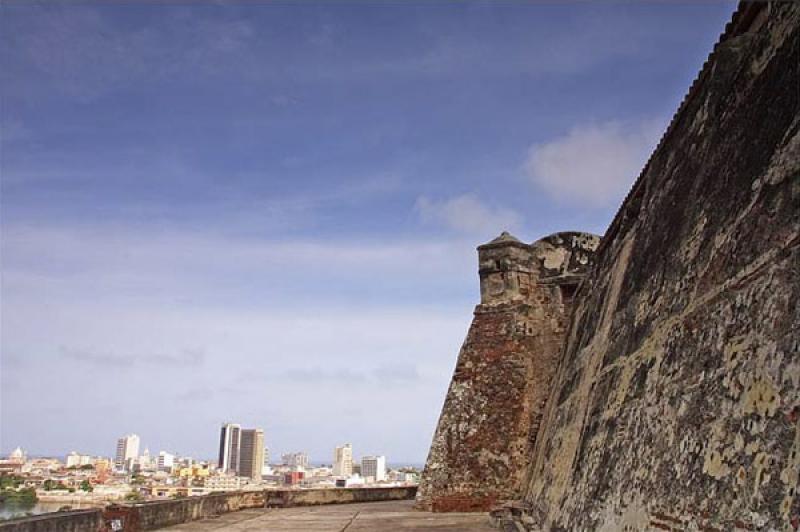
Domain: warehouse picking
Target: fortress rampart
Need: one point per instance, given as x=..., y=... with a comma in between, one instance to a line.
x=664, y=392
x=495, y=403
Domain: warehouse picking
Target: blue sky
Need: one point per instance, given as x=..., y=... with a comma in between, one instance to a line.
x=267, y=212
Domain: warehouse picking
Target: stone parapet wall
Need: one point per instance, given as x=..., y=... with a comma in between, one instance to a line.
x=76, y=521
x=159, y=514
x=291, y=498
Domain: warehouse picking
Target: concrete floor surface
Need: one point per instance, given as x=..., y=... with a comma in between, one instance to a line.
x=362, y=517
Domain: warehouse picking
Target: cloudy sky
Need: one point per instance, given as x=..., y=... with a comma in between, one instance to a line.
x=267, y=213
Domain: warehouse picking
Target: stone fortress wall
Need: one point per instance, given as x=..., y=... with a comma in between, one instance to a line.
x=673, y=401
x=503, y=374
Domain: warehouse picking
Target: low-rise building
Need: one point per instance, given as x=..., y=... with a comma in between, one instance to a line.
x=75, y=459
x=402, y=476
x=195, y=471
x=297, y=460
x=221, y=483
x=293, y=478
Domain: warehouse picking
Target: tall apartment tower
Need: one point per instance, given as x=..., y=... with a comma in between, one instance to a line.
x=374, y=467
x=230, y=440
x=343, y=461
x=251, y=453
x=127, y=451
x=165, y=461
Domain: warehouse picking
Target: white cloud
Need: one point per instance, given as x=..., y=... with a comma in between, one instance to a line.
x=345, y=328
x=148, y=263
x=396, y=362
x=593, y=165
x=467, y=214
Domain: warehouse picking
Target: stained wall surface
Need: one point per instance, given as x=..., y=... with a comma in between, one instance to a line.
x=677, y=399
x=155, y=515
x=502, y=378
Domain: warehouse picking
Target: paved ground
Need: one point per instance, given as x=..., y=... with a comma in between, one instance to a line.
x=389, y=516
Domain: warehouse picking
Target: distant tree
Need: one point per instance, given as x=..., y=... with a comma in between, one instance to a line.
x=19, y=497
x=51, y=484
x=10, y=481
x=87, y=467
x=134, y=496
x=87, y=486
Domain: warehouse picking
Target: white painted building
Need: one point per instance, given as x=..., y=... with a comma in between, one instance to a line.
x=402, y=476
x=222, y=483
x=165, y=461
x=373, y=468
x=77, y=460
x=127, y=451
x=146, y=462
x=17, y=456
x=230, y=442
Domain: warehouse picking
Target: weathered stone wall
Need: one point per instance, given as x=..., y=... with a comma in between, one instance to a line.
x=677, y=400
x=77, y=521
x=159, y=514
x=291, y=498
x=496, y=397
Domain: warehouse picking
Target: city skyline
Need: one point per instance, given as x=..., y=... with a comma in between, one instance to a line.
x=211, y=211
x=133, y=446
x=33, y=485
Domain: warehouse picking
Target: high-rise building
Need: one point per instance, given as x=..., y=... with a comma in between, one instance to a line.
x=296, y=460
x=127, y=451
x=343, y=461
x=230, y=439
x=251, y=453
x=165, y=461
x=373, y=467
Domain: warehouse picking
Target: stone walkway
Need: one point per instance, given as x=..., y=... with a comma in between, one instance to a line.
x=389, y=516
